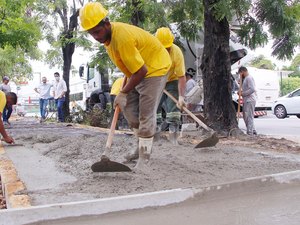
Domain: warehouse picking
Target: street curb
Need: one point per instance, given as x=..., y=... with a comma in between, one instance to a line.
x=11, y=183
x=154, y=199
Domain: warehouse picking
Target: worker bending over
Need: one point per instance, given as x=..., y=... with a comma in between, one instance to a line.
x=145, y=62
x=175, y=85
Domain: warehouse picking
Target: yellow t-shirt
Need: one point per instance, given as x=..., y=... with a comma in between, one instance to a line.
x=177, y=69
x=131, y=47
x=2, y=101
x=117, y=86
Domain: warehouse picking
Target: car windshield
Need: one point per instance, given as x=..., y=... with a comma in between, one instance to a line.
x=296, y=93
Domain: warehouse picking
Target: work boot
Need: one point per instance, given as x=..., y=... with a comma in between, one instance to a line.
x=173, y=133
x=134, y=153
x=157, y=133
x=173, y=137
x=145, y=150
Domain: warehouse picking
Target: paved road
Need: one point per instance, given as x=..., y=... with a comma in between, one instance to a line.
x=270, y=125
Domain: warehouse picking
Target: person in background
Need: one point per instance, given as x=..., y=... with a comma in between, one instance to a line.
x=190, y=82
x=175, y=85
x=249, y=99
x=144, y=61
x=59, y=91
x=5, y=87
x=6, y=99
x=44, y=90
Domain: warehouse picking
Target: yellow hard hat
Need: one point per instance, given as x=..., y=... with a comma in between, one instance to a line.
x=91, y=14
x=165, y=36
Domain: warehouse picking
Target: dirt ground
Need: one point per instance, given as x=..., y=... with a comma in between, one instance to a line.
x=74, y=150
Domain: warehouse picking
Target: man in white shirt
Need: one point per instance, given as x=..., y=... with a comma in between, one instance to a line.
x=59, y=91
x=190, y=82
x=5, y=87
x=44, y=90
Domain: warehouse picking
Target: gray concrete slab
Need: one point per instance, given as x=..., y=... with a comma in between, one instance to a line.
x=35, y=170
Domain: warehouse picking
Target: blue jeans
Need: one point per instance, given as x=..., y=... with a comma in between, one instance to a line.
x=59, y=104
x=6, y=113
x=43, y=106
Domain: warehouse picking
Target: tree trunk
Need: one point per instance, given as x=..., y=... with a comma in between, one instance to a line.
x=68, y=49
x=216, y=68
x=137, y=16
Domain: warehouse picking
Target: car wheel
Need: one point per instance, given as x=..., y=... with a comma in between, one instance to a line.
x=280, y=112
x=298, y=116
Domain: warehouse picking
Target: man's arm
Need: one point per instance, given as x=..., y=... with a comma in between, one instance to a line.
x=135, y=79
x=6, y=138
x=36, y=90
x=181, y=85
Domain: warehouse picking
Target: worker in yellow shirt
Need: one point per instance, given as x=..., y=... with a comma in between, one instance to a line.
x=6, y=100
x=175, y=85
x=115, y=90
x=143, y=60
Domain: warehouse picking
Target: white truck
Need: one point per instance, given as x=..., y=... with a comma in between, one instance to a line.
x=267, y=87
x=89, y=89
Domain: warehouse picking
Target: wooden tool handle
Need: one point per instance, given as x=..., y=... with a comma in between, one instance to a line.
x=189, y=112
x=114, y=121
x=239, y=100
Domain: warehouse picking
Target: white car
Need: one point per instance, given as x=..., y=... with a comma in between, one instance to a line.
x=287, y=105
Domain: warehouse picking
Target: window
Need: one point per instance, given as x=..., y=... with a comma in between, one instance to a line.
x=91, y=73
x=296, y=94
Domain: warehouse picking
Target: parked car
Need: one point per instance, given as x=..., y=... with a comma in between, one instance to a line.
x=287, y=105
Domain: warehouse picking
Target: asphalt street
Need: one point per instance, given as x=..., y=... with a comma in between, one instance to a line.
x=271, y=125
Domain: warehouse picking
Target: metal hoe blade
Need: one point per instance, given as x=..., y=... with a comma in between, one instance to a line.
x=208, y=142
x=106, y=165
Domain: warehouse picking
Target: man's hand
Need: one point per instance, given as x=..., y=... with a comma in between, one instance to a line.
x=8, y=139
x=181, y=102
x=121, y=100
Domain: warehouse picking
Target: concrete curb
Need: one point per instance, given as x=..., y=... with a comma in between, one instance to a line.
x=100, y=129
x=11, y=184
x=154, y=199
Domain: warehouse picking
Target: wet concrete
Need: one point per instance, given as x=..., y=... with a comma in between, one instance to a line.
x=276, y=207
x=37, y=171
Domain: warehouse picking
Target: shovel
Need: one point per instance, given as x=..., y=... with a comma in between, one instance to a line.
x=239, y=101
x=210, y=141
x=105, y=164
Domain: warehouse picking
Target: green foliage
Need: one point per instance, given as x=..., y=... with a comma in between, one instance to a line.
x=19, y=36
x=289, y=84
x=282, y=20
x=98, y=118
x=148, y=14
x=295, y=66
x=18, y=27
x=101, y=60
x=262, y=62
x=14, y=63
x=188, y=15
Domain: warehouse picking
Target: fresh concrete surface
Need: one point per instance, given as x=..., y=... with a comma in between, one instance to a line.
x=277, y=207
x=35, y=170
x=273, y=199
